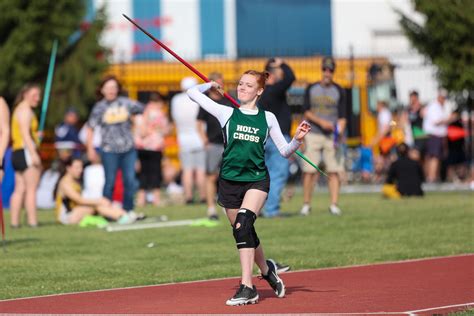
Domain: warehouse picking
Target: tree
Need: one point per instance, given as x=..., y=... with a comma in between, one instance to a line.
x=446, y=38
x=80, y=71
x=27, y=31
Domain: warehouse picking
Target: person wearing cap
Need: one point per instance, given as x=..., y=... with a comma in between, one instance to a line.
x=66, y=135
x=435, y=125
x=273, y=99
x=192, y=156
x=324, y=108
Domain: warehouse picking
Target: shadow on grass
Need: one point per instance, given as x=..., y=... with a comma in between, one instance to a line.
x=19, y=241
x=50, y=223
x=280, y=215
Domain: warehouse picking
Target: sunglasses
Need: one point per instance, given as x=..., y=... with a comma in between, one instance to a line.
x=328, y=69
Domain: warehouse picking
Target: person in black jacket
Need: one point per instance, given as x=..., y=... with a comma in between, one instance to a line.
x=273, y=100
x=211, y=133
x=406, y=173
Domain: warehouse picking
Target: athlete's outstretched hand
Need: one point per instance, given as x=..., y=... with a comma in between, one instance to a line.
x=302, y=130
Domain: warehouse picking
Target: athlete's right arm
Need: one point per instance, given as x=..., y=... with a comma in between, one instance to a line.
x=219, y=111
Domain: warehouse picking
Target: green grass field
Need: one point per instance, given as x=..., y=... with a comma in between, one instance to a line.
x=58, y=259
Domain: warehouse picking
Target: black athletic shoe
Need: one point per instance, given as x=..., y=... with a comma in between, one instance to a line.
x=243, y=296
x=214, y=217
x=274, y=280
x=281, y=267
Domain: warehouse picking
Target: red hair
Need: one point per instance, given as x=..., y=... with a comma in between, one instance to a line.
x=261, y=77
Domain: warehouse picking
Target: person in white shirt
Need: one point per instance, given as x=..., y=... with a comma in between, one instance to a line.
x=384, y=117
x=383, y=140
x=94, y=174
x=435, y=125
x=192, y=155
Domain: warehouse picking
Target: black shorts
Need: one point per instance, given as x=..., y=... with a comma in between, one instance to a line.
x=21, y=160
x=150, y=174
x=230, y=194
x=435, y=147
x=420, y=145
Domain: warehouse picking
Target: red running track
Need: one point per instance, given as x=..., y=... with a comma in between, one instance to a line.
x=426, y=286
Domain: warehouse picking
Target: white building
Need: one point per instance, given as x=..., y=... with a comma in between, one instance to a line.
x=371, y=27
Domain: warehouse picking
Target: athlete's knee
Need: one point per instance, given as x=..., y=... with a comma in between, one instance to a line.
x=244, y=231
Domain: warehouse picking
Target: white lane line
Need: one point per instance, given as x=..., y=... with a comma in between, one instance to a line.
x=149, y=225
x=466, y=305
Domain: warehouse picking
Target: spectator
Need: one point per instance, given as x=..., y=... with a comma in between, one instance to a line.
x=456, y=161
x=149, y=140
x=383, y=140
x=325, y=109
x=192, y=156
x=211, y=133
x=72, y=207
x=25, y=157
x=273, y=99
x=364, y=164
x=66, y=134
x=114, y=113
x=401, y=128
x=94, y=174
x=415, y=116
x=4, y=132
x=406, y=173
x=48, y=180
x=435, y=125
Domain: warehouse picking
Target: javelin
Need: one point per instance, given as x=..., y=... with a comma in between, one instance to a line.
x=47, y=89
x=200, y=75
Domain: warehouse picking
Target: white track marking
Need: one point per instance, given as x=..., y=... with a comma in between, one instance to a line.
x=466, y=305
x=138, y=226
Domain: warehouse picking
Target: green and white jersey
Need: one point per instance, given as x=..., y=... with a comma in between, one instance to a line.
x=245, y=133
x=244, y=142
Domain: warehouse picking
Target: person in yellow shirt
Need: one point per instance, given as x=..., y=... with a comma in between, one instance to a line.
x=4, y=132
x=25, y=157
x=71, y=207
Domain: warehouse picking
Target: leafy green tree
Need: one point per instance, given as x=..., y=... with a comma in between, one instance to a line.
x=80, y=72
x=27, y=31
x=446, y=38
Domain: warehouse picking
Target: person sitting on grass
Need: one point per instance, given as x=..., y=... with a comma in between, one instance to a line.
x=406, y=174
x=71, y=207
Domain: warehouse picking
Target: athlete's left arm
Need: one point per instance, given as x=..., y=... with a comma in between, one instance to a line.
x=285, y=149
